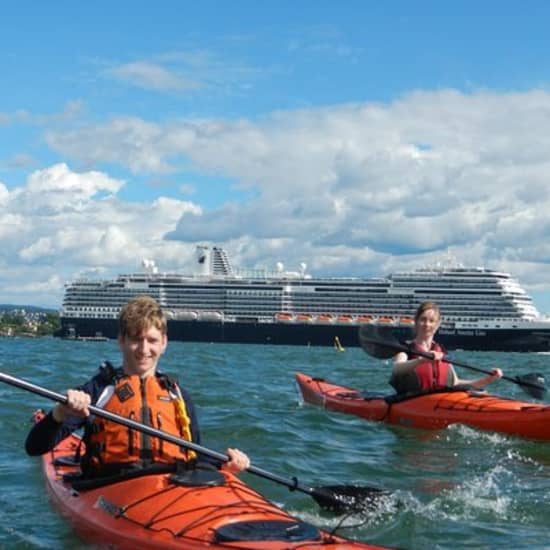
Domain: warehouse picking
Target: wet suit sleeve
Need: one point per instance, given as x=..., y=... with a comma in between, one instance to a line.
x=47, y=433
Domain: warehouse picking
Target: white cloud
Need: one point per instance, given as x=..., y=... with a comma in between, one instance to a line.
x=57, y=191
x=11, y=225
x=20, y=160
x=38, y=249
x=349, y=189
x=71, y=110
x=145, y=74
x=62, y=223
x=59, y=179
x=138, y=145
x=393, y=194
x=4, y=194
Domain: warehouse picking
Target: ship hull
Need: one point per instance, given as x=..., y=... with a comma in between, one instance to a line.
x=256, y=332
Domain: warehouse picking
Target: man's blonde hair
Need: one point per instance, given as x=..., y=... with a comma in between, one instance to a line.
x=139, y=314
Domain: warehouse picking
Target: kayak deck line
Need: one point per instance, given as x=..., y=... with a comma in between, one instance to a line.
x=183, y=510
x=432, y=410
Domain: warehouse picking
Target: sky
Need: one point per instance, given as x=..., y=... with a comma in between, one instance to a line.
x=357, y=137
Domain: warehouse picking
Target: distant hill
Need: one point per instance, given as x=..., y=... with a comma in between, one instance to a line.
x=33, y=309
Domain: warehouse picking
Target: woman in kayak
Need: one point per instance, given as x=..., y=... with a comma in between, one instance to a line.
x=412, y=373
x=138, y=391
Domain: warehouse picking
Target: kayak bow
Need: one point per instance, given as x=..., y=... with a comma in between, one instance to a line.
x=192, y=510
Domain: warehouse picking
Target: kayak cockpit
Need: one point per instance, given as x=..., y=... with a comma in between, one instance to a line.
x=266, y=530
x=460, y=388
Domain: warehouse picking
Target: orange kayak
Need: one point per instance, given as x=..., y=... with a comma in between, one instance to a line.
x=433, y=411
x=203, y=509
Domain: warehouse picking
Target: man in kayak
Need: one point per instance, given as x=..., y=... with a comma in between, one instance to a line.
x=138, y=391
x=412, y=373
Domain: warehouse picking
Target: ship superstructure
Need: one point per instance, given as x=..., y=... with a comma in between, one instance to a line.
x=481, y=308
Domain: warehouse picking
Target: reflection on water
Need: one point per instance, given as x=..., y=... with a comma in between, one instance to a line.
x=455, y=488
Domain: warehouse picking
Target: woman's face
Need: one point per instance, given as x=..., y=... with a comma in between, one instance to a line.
x=428, y=323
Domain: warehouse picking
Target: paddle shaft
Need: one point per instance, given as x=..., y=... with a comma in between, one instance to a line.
x=149, y=430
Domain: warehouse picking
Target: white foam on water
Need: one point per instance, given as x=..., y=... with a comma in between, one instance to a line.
x=26, y=538
x=479, y=436
x=483, y=496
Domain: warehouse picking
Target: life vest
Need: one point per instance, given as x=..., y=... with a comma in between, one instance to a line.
x=426, y=376
x=155, y=401
x=432, y=374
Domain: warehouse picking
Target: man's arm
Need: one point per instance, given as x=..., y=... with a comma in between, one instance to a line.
x=47, y=433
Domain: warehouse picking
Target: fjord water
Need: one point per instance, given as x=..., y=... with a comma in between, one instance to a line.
x=457, y=488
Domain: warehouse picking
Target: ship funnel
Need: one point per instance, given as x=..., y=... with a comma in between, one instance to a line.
x=202, y=255
x=213, y=261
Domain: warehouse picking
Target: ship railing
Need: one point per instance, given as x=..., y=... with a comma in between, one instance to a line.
x=342, y=319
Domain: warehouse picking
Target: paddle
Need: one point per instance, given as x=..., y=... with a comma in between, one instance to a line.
x=336, y=498
x=380, y=342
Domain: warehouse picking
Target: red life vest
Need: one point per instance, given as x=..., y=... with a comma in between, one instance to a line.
x=432, y=374
x=153, y=401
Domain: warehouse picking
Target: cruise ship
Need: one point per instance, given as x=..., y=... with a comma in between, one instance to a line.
x=482, y=309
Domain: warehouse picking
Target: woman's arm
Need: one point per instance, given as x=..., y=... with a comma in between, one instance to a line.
x=403, y=365
x=496, y=374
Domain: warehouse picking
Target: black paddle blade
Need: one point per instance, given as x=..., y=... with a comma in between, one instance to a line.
x=379, y=341
x=533, y=384
x=341, y=499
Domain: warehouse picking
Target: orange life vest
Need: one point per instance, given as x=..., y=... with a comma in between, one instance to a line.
x=155, y=401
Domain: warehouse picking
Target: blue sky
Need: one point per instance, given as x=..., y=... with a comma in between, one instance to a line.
x=359, y=137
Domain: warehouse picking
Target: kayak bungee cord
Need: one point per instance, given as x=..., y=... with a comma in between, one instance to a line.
x=433, y=409
x=176, y=509
x=336, y=498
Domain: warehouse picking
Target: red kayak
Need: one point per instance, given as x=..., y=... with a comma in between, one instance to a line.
x=433, y=411
x=195, y=510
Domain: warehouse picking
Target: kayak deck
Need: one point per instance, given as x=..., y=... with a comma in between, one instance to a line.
x=433, y=411
x=172, y=512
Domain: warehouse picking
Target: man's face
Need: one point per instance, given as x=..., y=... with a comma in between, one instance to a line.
x=142, y=352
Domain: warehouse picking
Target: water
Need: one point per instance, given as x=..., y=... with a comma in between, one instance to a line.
x=458, y=488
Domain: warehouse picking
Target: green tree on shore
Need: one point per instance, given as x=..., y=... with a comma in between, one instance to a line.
x=17, y=323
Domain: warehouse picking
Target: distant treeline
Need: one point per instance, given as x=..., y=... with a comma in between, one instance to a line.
x=5, y=308
x=27, y=320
